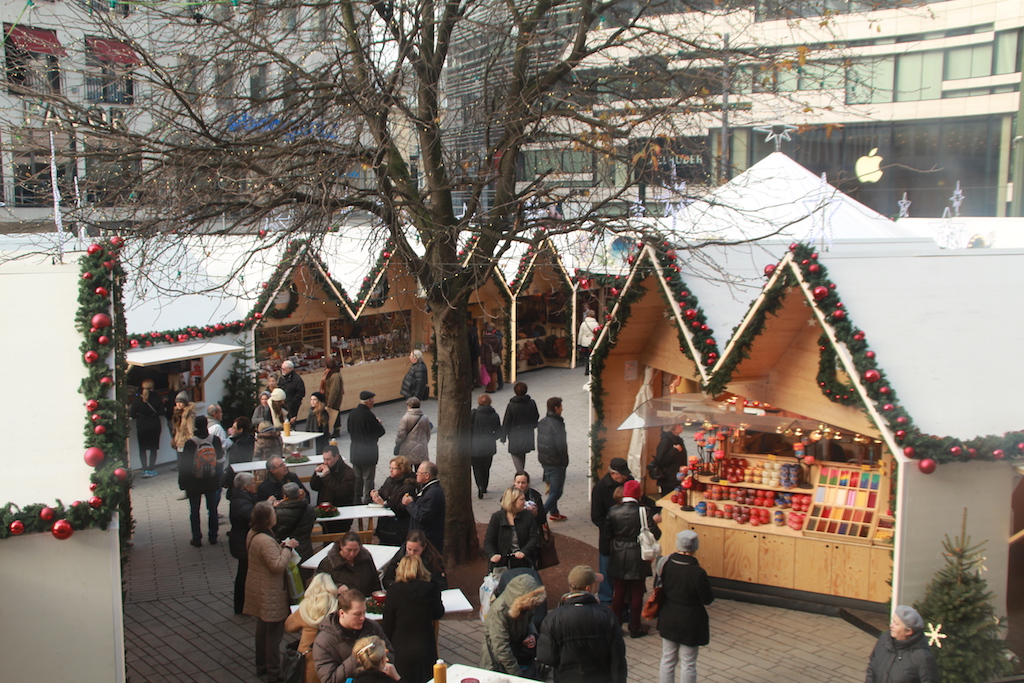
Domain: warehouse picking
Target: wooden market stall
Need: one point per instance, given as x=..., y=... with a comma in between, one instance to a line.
x=543, y=314
x=311, y=319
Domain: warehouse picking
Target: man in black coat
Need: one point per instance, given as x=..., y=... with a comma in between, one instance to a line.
x=365, y=429
x=426, y=510
x=602, y=500
x=553, y=454
x=243, y=500
x=294, y=388
x=670, y=456
x=295, y=519
x=581, y=640
x=277, y=476
x=335, y=483
x=518, y=427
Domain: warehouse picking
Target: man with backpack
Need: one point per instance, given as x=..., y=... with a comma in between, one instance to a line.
x=199, y=475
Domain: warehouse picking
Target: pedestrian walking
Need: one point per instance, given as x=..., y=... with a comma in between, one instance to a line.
x=519, y=425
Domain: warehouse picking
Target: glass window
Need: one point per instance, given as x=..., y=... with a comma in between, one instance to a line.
x=970, y=61
x=870, y=81
x=919, y=76
x=1007, y=53
x=821, y=77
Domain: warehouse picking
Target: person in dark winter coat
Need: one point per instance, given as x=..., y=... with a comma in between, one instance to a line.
x=426, y=510
x=146, y=409
x=683, y=621
x=243, y=440
x=553, y=454
x=491, y=347
x=365, y=429
x=626, y=566
x=196, y=488
x=486, y=429
x=534, y=500
x=295, y=519
x=901, y=655
x=670, y=456
x=512, y=539
x=417, y=380
x=333, y=649
x=400, y=481
x=262, y=411
x=416, y=544
x=277, y=476
x=602, y=500
x=335, y=483
x=351, y=565
x=242, y=502
x=318, y=420
x=510, y=639
x=581, y=640
x=413, y=605
x=294, y=389
x=519, y=425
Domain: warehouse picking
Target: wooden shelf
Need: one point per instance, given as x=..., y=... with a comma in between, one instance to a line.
x=722, y=523
x=751, y=485
x=845, y=503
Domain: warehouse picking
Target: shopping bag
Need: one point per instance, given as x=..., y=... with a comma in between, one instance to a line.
x=294, y=579
x=548, y=556
x=487, y=588
x=485, y=377
x=293, y=664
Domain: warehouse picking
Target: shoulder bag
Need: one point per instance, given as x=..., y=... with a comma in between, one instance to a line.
x=652, y=605
x=650, y=549
x=293, y=664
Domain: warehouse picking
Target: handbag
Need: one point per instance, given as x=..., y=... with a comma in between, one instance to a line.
x=652, y=605
x=294, y=579
x=293, y=664
x=495, y=359
x=548, y=555
x=650, y=549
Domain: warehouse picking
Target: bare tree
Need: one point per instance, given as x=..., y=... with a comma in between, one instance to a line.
x=307, y=113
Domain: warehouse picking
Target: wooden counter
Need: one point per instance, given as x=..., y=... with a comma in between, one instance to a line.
x=782, y=557
x=383, y=377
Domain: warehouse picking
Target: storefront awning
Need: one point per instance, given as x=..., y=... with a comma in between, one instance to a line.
x=38, y=40
x=111, y=50
x=159, y=355
x=690, y=409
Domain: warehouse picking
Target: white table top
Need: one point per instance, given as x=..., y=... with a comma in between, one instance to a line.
x=381, y=554
x=454, y=600
x=459, y=672
x=297, y=437
x=256, y=465
x=358, y=512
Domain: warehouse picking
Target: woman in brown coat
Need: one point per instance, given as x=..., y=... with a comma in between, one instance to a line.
x=319, y=600
x=266, y=597
x=183, y=421
x=413, y=437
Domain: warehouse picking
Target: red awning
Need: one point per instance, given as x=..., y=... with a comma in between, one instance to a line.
x=38, y=40
x=111, y=50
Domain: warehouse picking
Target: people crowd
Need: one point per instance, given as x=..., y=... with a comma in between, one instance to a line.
x=578, y=637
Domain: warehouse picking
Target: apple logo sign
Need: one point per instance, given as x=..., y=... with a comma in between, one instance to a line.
x=868, y=168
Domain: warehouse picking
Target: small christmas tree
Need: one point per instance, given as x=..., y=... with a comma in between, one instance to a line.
x=962, y=626
x=240, y=389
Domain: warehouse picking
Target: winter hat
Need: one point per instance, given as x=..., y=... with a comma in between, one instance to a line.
x=631, y=489
x=687, y=541
x=320, y=396
x=621, y=466
x=278, y=394
x=264, y=393
x=910, y=618
x=182, y=397
x=582, y=577
x=363, y=395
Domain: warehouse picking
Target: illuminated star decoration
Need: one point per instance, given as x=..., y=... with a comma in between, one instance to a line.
x=934, y=635
x=904, y=205
x=779, y=136
x=981, y=564
x=957, y=199
x=949, y=234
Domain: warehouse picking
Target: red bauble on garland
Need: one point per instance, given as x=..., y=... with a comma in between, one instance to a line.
x=909, y=451
x=956, y=451
x=17, y=527
x=926, y=466
x=91, y=356
x=106, y=380
x=100, y=320
x=116, y=241
x=94, y=456
x=819, y=292
x=92, y=404
x=998, y=454
x=101, y=291
x=62, y=530
x=95, y=502
x=690, y=313
x=93, y=486
x=769, y=269
x=46, y=514
x=121, y=474
x=839, y=314
x=103, y=340
x=99, y=430
x=872, y=376
x=814, y=268
x=86, y=276
x=94, y=249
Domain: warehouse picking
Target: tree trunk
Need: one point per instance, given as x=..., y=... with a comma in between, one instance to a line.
x=454, y=394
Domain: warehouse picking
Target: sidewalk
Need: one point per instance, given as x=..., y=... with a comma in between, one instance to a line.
x=180, y=624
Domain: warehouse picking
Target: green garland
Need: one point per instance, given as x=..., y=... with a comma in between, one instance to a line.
x=105, y=418
x=377, y=299
x=836, y=391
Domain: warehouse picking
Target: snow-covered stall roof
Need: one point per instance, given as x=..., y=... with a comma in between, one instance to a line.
x=934, y=317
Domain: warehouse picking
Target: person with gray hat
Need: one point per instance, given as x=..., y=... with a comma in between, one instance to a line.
x=683, y=620
x=182, y=421
x=581, y=639
x=365, y=429
x=901, y=654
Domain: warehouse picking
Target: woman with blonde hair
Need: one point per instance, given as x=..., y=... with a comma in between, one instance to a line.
x=372, y=657
x=146, y=409
x=413, y=605
x=512, y=539
x=319, y=600
x=278, y=413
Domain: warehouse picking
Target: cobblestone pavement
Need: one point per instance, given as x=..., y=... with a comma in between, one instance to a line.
x=180, y=624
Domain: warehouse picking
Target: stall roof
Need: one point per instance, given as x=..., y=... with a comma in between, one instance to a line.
x=159, y=355
x=944, y=328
